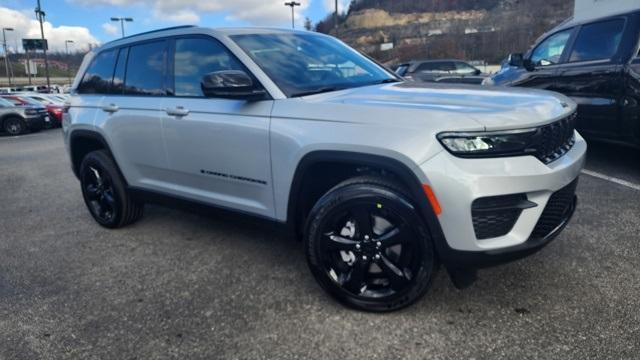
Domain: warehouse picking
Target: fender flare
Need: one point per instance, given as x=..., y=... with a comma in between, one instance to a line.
x=405, y=174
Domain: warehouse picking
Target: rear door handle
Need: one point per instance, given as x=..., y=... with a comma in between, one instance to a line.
x=111, y=108
x=178, y=111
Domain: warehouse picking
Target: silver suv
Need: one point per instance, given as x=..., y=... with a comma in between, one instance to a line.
x=16, y=120
x=382, y=179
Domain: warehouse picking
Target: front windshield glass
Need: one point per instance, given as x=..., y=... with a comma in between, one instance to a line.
x=304, y=64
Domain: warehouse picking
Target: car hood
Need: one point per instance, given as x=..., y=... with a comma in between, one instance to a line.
x=494, y=108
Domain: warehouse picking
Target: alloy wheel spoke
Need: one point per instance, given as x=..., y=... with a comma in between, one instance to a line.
x=92, y=192
x=396, y=276
x=357, y=276
x=392, y=237
x=340, y=243
x=364, y=220
x=108, y=199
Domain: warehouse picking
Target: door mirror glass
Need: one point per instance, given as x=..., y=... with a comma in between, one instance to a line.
x=229, y=84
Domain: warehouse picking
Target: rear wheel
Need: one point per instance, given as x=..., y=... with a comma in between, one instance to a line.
x=105, y=192
x=367, y=246
x=14, y=126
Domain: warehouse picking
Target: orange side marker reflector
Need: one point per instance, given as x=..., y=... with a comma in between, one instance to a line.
x=432, y=199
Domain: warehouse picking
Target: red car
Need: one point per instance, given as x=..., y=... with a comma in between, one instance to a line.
x=52, y=115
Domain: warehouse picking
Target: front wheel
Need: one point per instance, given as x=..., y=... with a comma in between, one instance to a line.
x=367, y=246
x=14, y=126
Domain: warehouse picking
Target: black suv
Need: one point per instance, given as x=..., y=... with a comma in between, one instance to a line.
x=595, y=62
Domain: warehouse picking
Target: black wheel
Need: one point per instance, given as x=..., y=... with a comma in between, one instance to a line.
x=14, y=126
x=367, y=246
x=105, y=193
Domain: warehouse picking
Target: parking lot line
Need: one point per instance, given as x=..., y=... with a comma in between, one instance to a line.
x=612, y=179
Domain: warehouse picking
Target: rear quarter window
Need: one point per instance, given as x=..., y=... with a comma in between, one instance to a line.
x=97, y=79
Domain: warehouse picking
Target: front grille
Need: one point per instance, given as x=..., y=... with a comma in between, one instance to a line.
x=495, y=216
x=554, y=140
x=557, y=210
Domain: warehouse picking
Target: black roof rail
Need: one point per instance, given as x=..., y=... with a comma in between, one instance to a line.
x=152, y=31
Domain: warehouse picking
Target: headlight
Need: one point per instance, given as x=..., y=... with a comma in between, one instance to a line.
x=489, y=144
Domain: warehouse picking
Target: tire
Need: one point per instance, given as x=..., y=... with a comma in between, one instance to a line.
x=367, y=246
x=105, y=192
x=14, y=126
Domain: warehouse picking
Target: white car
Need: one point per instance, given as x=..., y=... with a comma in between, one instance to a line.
x=382, y=179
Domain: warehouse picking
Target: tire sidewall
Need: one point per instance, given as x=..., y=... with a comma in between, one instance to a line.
x=361, y=192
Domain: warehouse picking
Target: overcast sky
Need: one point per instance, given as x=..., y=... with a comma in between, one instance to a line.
x=87, y=21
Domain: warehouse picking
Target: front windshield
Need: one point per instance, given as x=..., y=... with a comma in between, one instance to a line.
x=304, y=64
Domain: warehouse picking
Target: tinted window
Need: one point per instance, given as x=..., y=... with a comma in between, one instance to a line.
x=97, y=79
x=145, y=69
x=465, y=69
x=197, y=57
x=437, y=66
x=118, y=76
x=598, y=41
x=550, y=51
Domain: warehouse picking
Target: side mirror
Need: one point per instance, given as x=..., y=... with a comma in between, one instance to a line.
x=232, y=84
x=516, y=59
x=477, y=72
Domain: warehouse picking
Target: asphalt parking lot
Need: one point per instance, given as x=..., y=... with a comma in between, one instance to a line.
x=186, y=285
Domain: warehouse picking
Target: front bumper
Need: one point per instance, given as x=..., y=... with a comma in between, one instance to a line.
x=34, y=122
x=457, y=182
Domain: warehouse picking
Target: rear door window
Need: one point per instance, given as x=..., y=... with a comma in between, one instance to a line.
x=146, y=66
x=97, y=79
x=598, y=41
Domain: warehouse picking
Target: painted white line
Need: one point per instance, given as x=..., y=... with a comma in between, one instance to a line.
x=614, y=180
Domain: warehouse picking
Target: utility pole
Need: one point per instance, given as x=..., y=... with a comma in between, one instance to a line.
x=122, y=20
x=66, y=47
x=292, y=4
x=40, y=15
x=335, y=19
x=6, y=53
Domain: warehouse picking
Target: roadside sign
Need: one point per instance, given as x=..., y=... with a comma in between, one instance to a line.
x=30, y=68
x=35, y=44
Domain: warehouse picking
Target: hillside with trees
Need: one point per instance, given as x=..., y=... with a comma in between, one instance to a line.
x=466, y=29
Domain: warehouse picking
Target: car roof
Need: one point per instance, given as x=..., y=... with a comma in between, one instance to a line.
x=192, y=29
x=572, y=22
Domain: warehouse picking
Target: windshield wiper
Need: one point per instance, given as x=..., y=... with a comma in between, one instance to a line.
x=316, y=91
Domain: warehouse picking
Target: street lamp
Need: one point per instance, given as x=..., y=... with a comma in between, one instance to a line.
x=292, y=4
x=40, y=15
x=66, y=47
x=122, y=20
x=6, y=54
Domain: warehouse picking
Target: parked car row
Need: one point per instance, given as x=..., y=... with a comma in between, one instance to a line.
x=53, y=89
x=23, y=112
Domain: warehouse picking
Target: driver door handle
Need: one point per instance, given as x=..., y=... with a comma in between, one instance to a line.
x=178, y=111
x=111, y=108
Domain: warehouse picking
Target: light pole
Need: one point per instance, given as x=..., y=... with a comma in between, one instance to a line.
x=40, y=15
x=335, y=19
x=66, y=47
x=122, y=20
x=6, y=53
x=292, y=4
